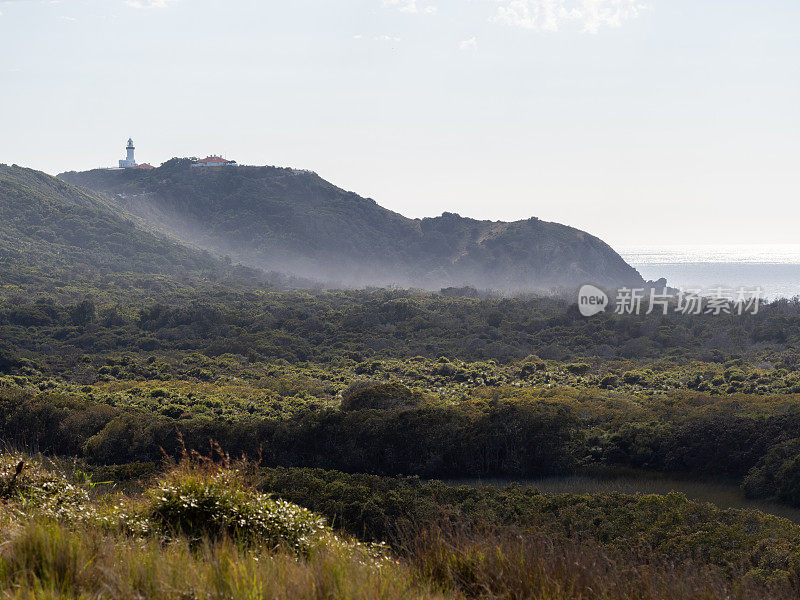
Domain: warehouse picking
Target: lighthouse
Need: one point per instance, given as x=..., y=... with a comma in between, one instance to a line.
x=130, y=161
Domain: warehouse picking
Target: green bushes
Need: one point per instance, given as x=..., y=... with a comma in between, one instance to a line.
x=507, y=438
x=387, y=396
x=370, y=506
x=669, y=527
x=482, y=435
x=204, y=501
x=578, y=368
x=777, y=475
x=368, y=324
x=637, y=377
x=609, y=381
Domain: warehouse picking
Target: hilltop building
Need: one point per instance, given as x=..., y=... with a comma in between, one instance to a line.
x=214, y=161
x=211, y=161
x=130, y=162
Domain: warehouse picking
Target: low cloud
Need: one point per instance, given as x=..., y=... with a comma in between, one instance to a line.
x=411, y=6
x=378, y=38
x=131, y=3
x=469, y=45
x=150, y=3
x=551, y=15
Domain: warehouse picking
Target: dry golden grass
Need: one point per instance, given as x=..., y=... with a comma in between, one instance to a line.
x=47, y=560
x=511, y=566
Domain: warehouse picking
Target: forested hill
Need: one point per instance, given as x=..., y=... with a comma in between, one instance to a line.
x=294, y=221
x=52, y=231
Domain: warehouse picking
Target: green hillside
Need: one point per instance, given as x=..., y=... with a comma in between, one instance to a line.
x=54, y=232
x=294, y=221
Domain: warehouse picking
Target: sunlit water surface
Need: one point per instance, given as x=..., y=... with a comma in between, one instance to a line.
x=775, y=268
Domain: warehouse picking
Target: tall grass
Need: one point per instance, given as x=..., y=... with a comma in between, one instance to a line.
x=504, y=564
x=43, y=560
x=49, y=560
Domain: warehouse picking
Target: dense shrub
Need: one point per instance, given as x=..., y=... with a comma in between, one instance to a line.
x=578, y=368
x=507, y=438
x=388, y=396
x=777, y=475
x=205, y=501
x=670, y=526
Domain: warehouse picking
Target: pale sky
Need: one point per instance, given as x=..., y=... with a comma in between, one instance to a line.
x=641, y=121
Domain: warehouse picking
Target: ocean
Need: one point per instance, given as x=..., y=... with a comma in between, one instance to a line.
x=775, y=268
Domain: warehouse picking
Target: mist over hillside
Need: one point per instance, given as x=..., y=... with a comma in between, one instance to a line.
x=56, y=237
x=49, y=224
x=285, y=220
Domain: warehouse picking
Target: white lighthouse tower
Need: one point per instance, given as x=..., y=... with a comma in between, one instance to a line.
x=130, y=161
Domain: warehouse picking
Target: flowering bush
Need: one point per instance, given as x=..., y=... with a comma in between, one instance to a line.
x=27, y=488
x=201, y=503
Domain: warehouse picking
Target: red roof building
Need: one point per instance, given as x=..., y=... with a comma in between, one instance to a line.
x=214, y=161
x=144, y=167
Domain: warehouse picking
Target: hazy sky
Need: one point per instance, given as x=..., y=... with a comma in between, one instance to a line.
x=653, y=121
